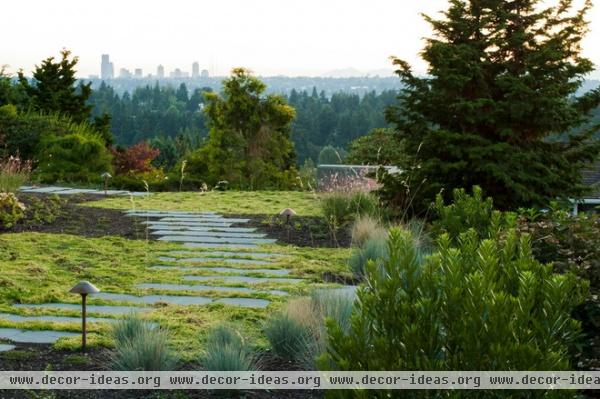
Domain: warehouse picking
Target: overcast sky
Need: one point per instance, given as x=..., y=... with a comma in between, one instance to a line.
x=271, y=37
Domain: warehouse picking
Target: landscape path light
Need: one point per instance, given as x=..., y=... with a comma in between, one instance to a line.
x=105, y=176
x=288, y=213
x=83, y=288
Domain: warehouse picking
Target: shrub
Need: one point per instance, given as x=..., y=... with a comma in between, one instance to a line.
x=339, y=209
x=11, y=210
x=480, y=305
x=373, y=250
x=73, y=157
x=140, y=346
x=134, y=160
x=365, y=228
x=288, y=337
x=13, y=174
x=227, y=351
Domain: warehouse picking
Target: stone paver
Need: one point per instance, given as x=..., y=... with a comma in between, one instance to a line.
x=192, y=233
x=274, y=272
x=34, y=336
x=201, y=219
x=173, y=229
x=101, y=309
x=227, y=254
x=244, y=302
x=72, y=191
x=243, y=279
x=152, y=299
x=171, y=214
x=206, y=288
x=6, y=347
x=185, y=224
x=216, y=240
x=230, y=246
x=219, y=260
x=57, y=319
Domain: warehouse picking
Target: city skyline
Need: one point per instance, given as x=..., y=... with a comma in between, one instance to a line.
x=107, y=71
x=310, y=38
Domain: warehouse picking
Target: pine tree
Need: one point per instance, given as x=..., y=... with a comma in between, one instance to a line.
x=497, y=107
x=53, y=88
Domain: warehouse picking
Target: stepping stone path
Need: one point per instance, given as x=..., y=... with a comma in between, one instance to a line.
x=204, y=230
x=6, y=348
x=71, y=191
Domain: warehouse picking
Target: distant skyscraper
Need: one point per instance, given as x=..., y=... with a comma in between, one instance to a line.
x=204, y=73
x=177, y=73
x=138, y=73
x=124, y=73
x=160, y=72
x=195, y=70
x=107, y=70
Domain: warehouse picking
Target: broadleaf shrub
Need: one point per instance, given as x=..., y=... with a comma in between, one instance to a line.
x=134, y=160
x=480, y=304
x=11, y=210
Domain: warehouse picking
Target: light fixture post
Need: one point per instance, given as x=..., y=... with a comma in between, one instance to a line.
x=84, y=288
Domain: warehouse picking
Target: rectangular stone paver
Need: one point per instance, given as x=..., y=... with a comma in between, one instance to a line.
x=273, y=272
x=216, y=240
x=219, y=260
x=228, y=254
x=206, y=288
x=171, y=214
x=243, y=279
x=200, y=219
x=174, y=229
x=34, y=336
x=151, y=299
x=44, y=190
x=57, y=319
x=106, y=309
x=208, y=234
x=185, y=224
x=244, y=302
x=204, y=245
x=6, y=347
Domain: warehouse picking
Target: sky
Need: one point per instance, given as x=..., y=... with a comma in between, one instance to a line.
x=271, y=37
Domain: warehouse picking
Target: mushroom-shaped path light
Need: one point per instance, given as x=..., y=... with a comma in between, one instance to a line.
x=105, y=176
x=83, y=288
x=288, y=213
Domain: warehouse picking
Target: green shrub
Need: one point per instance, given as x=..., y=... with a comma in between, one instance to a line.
x=373, y=250
x=364, y=204
x=339, y=209
x=288, y=337
x=141, y=346
x=227, y=351
x=72, y=158
x=481, y=305
x=469, y=212
x=11, y=210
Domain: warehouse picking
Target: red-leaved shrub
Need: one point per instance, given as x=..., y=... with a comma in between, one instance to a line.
x=135, y=159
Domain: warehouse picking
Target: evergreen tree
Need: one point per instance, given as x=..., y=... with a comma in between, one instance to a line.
x=248, y=143
x=500, y=86
x=53, y=88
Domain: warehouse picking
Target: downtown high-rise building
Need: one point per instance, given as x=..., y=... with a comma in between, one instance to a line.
x=195, y=70
x=160, y=72
x=107, y=69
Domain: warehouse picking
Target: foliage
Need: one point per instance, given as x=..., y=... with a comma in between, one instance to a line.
x=379, y=147
x=342, y=208
x=227, y=351
x=288, y=337
x=331, y=156
x=469, y=212
x=135, y=159
x=248, y=143
x=11, y=210
x=500, y=88
x=13, y=174
x=373, y=250
x=53, y=90
x=141, y=346
x=569, y=242
x=308, y=175
x=365, y=228
x=482, y=305
x=73, y=157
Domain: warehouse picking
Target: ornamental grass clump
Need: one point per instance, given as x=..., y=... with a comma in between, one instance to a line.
x=226, y=350
x=141, y=346
x=14, y=172
x=479, y=304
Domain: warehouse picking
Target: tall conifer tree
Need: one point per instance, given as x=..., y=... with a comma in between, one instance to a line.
x=498, y=107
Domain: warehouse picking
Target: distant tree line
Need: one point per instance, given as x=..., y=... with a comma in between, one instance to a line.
x=173, y=119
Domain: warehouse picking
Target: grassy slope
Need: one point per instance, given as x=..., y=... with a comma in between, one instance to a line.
x=40, y=268
x=228, y=202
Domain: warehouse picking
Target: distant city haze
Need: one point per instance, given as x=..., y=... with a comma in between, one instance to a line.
x=271, y=37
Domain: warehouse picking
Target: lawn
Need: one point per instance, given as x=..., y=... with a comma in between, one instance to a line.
x=41, y=267
x=226, y=202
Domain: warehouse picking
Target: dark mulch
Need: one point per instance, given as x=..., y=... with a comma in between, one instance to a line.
x=44, y=357
x=54, y=214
